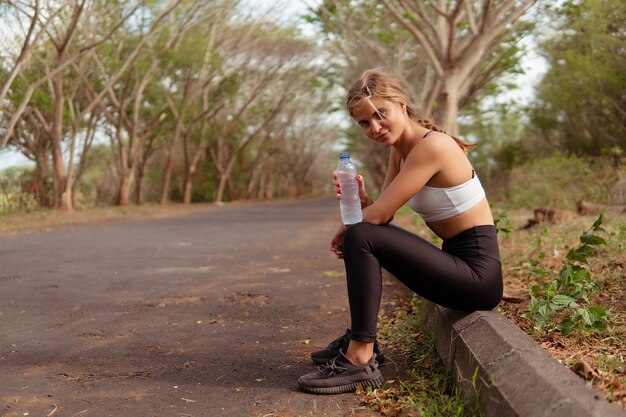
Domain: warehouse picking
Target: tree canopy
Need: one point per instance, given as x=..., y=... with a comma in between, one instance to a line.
x=581, y=106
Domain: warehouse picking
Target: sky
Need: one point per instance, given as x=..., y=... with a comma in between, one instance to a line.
x=289, y=10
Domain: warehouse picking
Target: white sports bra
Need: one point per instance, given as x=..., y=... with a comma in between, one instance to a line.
x=435, y=204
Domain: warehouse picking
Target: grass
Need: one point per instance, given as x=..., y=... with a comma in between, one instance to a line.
x=598, y=358
x=40, y=219
x=427, y=388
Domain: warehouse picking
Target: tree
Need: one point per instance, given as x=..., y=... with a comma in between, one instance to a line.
x=452, y=53
x=358, y=37
x=135, y=118
x=213, y=88
x=462, y=41
x=464, y=45
x=581, y=105
x=196, y=89
x=37, y=26
x=75, y=31
x=273, y=69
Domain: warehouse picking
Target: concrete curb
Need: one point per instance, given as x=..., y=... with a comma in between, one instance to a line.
x=509, y=374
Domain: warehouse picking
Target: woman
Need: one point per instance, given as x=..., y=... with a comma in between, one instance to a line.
x=429, y=170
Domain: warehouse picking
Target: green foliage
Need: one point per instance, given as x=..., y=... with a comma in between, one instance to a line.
x=581, y=102
x=14, y=190
x=561, y=181
x=429, y=390
x=367, y=35
x=503, y=223
x=500, y=130
x=569, y=292
x=622, y=237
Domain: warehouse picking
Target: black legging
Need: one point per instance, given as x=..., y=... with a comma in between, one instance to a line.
x=465, y=274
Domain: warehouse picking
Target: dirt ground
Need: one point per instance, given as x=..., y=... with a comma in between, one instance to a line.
x=16, y=223
x=597, y=358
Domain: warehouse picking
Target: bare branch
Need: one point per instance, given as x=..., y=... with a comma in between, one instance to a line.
x=26, y=99
x=113, y=30
x=421, y=12
x=485, y=16
x=419, y=35
x=24, y=54
x=515, y=15
x=471, y=19
x=451, y=19
x=442, y=12
x=71, y=30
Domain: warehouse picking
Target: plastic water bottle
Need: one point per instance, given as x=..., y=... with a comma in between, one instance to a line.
x=350, y=202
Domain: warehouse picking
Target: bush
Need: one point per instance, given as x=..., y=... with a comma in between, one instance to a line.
x=16, y=192
x=560, y=181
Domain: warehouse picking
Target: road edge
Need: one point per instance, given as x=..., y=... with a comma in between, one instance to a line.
x=500, y=366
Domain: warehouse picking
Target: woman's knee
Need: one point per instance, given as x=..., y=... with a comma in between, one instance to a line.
x=358, y=233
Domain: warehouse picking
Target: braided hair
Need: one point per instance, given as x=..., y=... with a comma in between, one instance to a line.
x=379, y=83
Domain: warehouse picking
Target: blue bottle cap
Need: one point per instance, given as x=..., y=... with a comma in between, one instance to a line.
x=344, y=155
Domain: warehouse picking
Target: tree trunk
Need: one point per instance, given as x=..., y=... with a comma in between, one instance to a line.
x=43, y=174
x=140, y=194
x=57, y=134
x=448, y=103
x=188, y=185
x=221, y=185
x=255, y=178
x=140, y=189
x=125, y=187
x=167, y=178
x=266, y=189
x=191, y=171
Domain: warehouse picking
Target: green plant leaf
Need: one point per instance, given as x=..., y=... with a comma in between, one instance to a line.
x=592, y=239
x=597, y=310
x=567, y=327
x=576, y=255
x=564, y=300
x=597, y=223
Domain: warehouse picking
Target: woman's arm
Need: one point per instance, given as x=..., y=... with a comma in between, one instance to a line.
x=393, y=167
x=422, y=163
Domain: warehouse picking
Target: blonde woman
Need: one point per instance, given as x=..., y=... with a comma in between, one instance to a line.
x=428, y=170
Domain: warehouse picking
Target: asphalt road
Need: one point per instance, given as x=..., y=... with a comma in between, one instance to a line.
x=209, y=314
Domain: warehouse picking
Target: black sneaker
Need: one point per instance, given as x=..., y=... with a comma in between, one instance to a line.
x=341, y=343
x=339, y=375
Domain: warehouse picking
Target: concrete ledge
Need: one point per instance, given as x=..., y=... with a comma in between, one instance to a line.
x=510, y=375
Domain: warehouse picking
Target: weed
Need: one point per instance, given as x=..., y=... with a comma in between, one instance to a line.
x=570, y=291
x=429, y=389
x=503, y=223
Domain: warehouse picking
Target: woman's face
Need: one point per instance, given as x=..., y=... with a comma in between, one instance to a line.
x=381, y=120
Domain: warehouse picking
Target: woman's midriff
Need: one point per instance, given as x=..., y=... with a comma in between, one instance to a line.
x=478, y=215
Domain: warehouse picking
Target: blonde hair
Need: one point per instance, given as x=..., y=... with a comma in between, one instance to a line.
x=382, y=84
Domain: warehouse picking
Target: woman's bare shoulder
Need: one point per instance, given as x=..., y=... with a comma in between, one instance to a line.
x=437, y=140
x=434, y=145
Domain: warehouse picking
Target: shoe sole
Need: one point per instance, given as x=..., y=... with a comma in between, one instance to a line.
x=342, y=389
x=380, y=358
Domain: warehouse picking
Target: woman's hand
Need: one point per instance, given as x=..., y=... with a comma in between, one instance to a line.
x=366, y=200
x=336, y=243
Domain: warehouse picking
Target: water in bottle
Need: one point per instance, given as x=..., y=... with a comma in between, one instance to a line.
x=350, y=202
